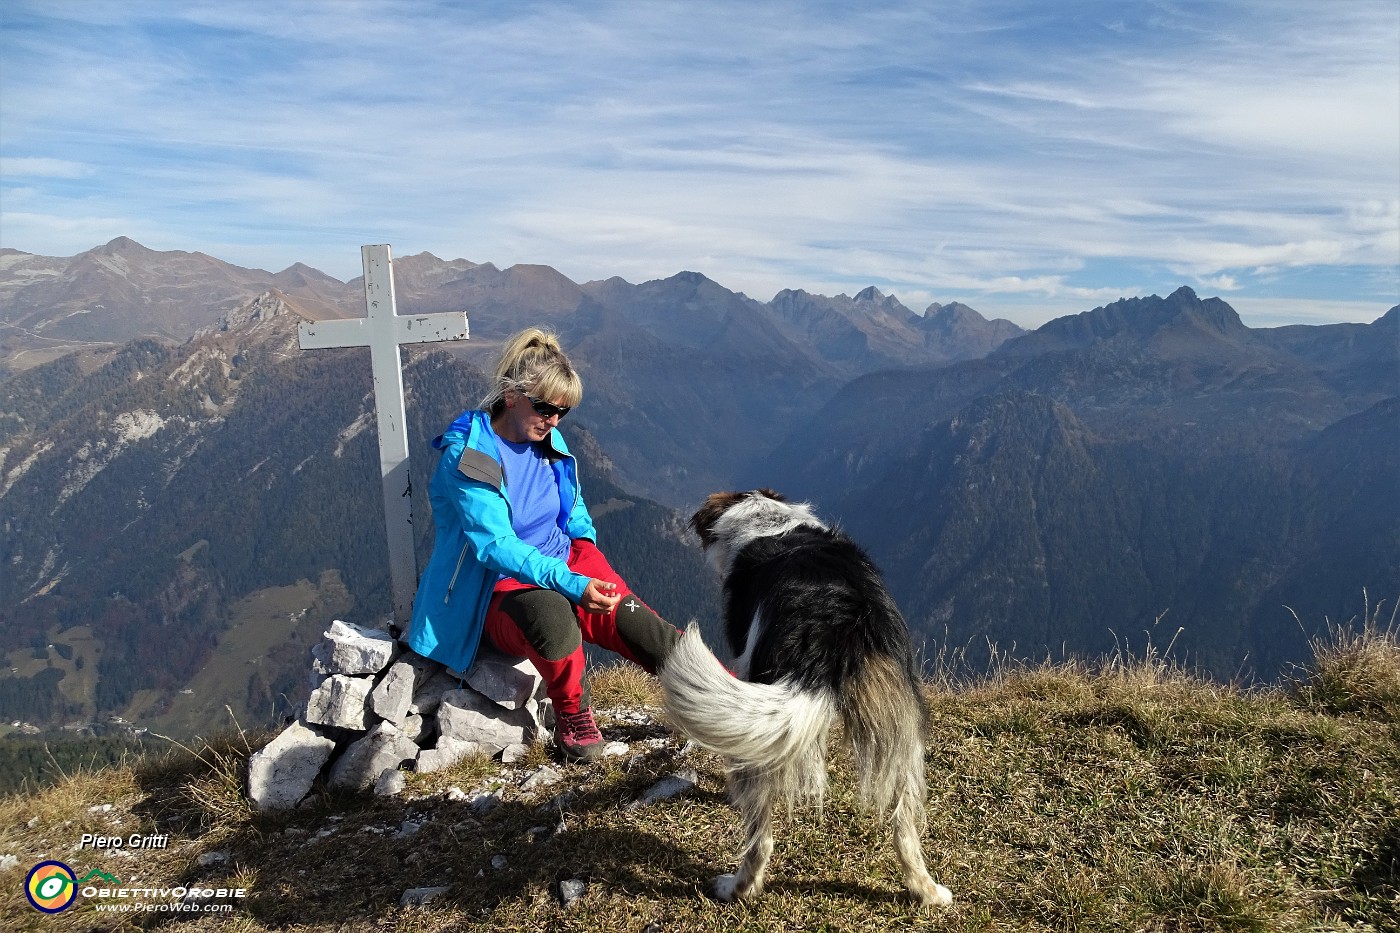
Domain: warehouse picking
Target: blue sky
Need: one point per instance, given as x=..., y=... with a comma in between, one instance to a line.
x=1031, y=159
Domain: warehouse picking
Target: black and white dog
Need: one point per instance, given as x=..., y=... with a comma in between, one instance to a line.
x=817, y=638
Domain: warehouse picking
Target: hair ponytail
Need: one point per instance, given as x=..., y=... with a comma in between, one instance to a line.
x=532, y=363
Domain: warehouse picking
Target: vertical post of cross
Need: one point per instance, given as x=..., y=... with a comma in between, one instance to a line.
x=383, y=331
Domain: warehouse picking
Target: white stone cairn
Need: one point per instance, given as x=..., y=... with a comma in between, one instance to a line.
x=383, y=708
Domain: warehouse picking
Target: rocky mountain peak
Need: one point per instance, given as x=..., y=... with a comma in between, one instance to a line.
x=689, y=278
x=1210, y=312
x=268, y=306
x=1181, y=314
x=123, y=245
x=421, y=272
x=871, y=300
x=952, y=311
x=963, y=331
x=301, y=272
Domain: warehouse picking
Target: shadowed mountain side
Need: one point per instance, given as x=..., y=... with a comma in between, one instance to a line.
x=684, y=380
x=1147, y=457
x=1345, y=486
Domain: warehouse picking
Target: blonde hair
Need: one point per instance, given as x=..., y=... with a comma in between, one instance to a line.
x=532, y=363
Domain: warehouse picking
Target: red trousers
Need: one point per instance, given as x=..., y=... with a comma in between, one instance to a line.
x=564, y=677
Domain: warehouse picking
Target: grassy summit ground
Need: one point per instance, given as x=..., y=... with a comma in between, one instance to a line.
x=1127, y=795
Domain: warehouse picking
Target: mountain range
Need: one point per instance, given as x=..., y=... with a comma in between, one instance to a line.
x=187, y=498
x=629, y=341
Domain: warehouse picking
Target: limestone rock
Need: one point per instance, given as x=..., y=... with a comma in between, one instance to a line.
x=393, y=695
x=570, y=890
x=417, y=897
x=423, y=668
x=420, y=729
x=467, y=716
x=447, y=753
x=507, y=681
x=282, y=773
x=384, y=747
x=390, y=783
x=669, y=786
x=357, y=650
x=340, y=702
x=429, y=694
x=543, y=777
x=320, y=663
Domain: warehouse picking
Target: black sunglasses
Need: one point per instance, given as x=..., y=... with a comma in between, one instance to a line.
x=546, y=409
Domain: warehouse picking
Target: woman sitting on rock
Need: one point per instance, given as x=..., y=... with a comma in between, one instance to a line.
x=514, y=553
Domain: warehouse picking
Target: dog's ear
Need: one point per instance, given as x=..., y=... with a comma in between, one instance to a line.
x=703, y=521
x=771, y=494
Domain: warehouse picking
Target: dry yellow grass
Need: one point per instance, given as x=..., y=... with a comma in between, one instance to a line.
x=624, y=685
x=1073, y=797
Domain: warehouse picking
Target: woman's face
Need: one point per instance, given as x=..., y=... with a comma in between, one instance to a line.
x=519, y=422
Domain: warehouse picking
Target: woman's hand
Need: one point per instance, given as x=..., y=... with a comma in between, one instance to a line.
x=599, y=596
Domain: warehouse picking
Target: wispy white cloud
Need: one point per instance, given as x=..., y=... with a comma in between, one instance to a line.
x=43, y=168
x=1016, y=157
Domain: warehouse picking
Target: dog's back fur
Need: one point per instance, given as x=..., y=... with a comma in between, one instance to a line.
x=817, y=639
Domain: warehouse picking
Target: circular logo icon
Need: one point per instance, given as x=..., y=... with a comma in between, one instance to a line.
x=51, y=887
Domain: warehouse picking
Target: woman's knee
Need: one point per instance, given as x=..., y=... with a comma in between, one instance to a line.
x=546, y=619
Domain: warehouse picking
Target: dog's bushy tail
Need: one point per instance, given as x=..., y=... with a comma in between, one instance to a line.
x=775, y=729
x=884, y=718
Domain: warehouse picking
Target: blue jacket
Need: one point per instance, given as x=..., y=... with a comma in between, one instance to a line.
x=475, y=544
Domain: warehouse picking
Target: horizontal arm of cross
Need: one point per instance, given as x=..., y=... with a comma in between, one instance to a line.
x=363, y=331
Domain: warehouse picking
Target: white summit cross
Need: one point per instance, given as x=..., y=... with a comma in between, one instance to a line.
x=383, y=331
